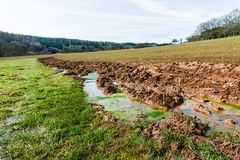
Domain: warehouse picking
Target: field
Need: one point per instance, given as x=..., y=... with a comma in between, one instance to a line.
x=45, y=112
x=225, y=50
x=45, y=116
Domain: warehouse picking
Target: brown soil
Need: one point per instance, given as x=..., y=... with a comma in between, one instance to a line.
x=216, y=108
x=162, y=84
x=105, y=115
x=238, y=114
x=190, y=155
x=180, y=124
x=229, y=149
x=200, y=108
x=165, y=85
x=230, y=122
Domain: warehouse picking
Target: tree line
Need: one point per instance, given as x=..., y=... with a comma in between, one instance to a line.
x=225, y=26
x=19, y=45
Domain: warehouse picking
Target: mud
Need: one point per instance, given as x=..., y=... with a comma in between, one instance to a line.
x=162, y=84
x=167, y=85
x=190, y=155
x=230, y=122
x=238, y=114
x=229, y=149
x=180, y=124
x=105, y=115
x=119, y=104
x=216, y=108
x=213, y=114
x=200, y=108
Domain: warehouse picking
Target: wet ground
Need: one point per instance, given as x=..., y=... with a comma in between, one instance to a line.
x=216, y=120
x=120, y=104
x=123, y=107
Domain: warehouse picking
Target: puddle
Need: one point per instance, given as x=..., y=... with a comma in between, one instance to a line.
x=123, y=107
x=60, y=71
x=120, y=105
x=217, y=119
x=13, y=119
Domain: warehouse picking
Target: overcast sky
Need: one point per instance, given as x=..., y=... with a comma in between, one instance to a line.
x=110, y=20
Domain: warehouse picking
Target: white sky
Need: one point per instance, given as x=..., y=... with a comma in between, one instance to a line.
x=110, y=20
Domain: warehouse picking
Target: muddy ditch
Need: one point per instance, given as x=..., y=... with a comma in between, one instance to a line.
x=118, y=103
x=209, y=93
x=198, y=89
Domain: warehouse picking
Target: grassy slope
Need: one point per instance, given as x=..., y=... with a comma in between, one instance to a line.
x=225, y=50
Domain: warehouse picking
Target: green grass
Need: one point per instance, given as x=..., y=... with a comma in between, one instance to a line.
x=56, y=122
x=205, y=150
x=226, y=50
x=52, y=120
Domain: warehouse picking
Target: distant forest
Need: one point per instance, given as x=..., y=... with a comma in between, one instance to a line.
x=19, y=45
x=225, y=26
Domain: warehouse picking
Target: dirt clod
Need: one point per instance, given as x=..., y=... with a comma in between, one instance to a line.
x=215, y=107
x=184, y=125
x=105, y=116
x=230, y=122
x=229, y=149
x=238, y=114
x=176, y=146
x=190, y=155
x=180, y=124
x=201, y=109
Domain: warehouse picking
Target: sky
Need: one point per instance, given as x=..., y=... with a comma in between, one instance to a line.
x=110, y=20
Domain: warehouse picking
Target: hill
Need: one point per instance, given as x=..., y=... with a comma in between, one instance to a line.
x=226, y=50
x=19, y=45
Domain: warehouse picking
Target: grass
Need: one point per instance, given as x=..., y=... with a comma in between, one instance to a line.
x=50, y=119
x=226, y=50
x=56, y=122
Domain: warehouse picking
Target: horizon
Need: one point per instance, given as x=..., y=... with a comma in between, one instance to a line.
x=137, y=21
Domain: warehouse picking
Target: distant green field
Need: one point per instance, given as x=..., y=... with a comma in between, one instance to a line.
x=225, y=50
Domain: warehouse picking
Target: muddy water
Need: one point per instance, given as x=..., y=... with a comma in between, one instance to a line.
x=125, y=108
x=119, y=104
x=217, y=119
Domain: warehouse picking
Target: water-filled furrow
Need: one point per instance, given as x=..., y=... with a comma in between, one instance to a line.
x=123, y=107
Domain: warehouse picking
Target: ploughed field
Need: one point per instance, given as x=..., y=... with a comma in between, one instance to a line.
x=191, y=92
x=225, y=50
x=173, y=102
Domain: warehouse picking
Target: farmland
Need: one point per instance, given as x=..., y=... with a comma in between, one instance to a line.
x=226, y=50
x=120, y=80
x=45, y=116
x=45, y=113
